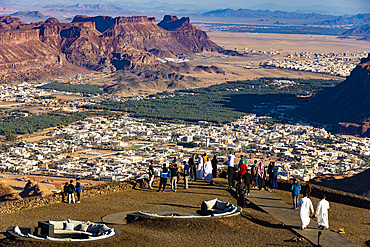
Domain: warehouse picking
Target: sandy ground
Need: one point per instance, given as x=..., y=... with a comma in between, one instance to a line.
x=52, y=183
x=9, y=104
x=247, y=68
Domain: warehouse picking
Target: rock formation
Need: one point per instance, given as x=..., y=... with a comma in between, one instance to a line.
x=33, y=188
x=358, y=184
x=348, y=103
x=7, y=193
x=100, y=43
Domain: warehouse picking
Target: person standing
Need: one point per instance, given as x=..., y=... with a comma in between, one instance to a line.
x=65, y=192
x=186, y=175
x=214, y=162
x=308, y=188
x=261, y=176
x=165, y=173
x=296, y=190
x=230, y=168
x=270, y=173
x=322, y=213
x=151, y=174
x=200, y=168
x=242, y=160
x=305, y=207
x=275, y=170
x=208, y=171
x=78, y=190
x=247, y=181
x=192, y=167
x=242, y=169
x=174, y=172
x=240, y=190
x=254, y=174
x=71, y=192
x=205, y=158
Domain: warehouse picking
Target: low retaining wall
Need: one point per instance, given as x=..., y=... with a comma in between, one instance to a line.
x=102, y=189
x=331, y=194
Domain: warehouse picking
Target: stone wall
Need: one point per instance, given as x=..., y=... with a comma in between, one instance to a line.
x=331, y=194
x=103, y=189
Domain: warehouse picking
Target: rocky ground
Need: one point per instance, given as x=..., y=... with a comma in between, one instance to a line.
x=252, y=228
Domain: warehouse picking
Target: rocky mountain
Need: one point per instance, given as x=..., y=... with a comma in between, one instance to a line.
x=356, y=20
x=249, y=13
x=348, y=103
x=7, y=193
x=100, y=43
x=33, y=188
x=362, y=31
x=358, y=184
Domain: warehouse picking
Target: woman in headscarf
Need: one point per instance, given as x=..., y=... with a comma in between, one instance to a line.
x=208, y=171
x=261, y=176
x=199, y=167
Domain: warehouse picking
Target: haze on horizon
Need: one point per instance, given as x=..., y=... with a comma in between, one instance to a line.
x=207, y=4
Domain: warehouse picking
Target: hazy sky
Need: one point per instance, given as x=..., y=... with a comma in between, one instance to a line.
x=220, y=3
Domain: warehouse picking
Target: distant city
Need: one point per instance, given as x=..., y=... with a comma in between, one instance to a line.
x=120, y=148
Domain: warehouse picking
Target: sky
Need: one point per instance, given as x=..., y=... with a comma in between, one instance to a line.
x=220, y=3
x=336, y=6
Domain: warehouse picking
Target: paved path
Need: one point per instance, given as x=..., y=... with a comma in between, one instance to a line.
x=290, y=217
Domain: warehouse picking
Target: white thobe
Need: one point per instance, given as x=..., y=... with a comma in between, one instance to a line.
x=208, y=171
x=322, y=213
x=200, y=168
x=306, y=207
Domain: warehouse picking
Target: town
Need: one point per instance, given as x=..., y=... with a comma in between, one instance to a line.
x=120, y=148
x=337, y=64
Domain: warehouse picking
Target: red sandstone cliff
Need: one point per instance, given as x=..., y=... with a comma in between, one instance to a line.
x=100, y=43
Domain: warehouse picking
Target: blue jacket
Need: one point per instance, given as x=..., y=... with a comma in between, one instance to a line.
x=165, y=174
x=296, y=189
x=78, y=187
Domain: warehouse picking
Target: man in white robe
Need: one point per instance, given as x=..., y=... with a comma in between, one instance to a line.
x=322, y=213
x=305, y=207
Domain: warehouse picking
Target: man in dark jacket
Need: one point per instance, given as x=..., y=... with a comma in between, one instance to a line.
x=71, y=192
x=254, y=174
x=240, y=190
x=248, y=181
x=192, y=167
x=214, y=162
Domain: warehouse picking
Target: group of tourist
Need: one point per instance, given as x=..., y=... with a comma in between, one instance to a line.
x=69, y=191
x=305, y=206
x=246, y=176
x=198, y=167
